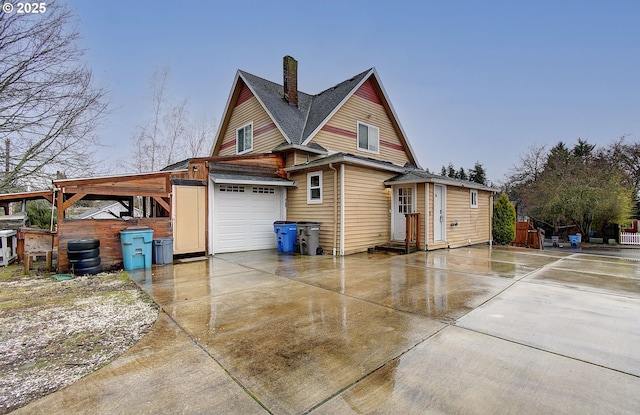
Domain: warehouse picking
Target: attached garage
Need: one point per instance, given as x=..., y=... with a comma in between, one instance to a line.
x=243, y=215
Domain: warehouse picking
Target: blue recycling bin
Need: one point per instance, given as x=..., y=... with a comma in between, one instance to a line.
x=136, y=247
x=574, y=240
x=286, y=234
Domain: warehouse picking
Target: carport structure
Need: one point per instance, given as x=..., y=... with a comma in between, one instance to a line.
x=207, y=205
x=153, y=191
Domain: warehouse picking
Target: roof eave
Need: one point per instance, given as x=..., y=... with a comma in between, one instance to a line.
x=300, y=148
x=337, y=107
x=407, y=143
x=226, y=115
x=266, y=109
x=345, y=158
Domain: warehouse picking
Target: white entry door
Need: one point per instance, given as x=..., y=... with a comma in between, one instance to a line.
x=438, y=213
x=403, y=203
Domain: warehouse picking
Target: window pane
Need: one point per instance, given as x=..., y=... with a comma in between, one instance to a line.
x=240, y=140
x=315, y=181
x=247, y=137
x=373, y=139
x=363, y=136
x=315, y=193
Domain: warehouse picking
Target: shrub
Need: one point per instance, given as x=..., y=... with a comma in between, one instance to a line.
x=504, y=220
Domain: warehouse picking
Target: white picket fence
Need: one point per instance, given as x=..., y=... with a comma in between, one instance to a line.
x=627, y=238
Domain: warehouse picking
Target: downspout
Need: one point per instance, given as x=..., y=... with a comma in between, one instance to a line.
x=342, y=204
x=426, y=216
x=491, y=195
x=335, y=208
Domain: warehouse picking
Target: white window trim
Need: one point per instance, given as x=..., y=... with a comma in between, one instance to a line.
x=246, y=150
x=311, y=201
x=473, y=192
x=358, y=137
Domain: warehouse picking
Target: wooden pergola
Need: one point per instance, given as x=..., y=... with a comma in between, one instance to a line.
x=153, y=188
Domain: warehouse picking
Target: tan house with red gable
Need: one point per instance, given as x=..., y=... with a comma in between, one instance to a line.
x=348, y=164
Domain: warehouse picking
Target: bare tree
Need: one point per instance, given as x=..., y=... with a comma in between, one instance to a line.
x=169, y=135
x=199, y=138
x=49, y=105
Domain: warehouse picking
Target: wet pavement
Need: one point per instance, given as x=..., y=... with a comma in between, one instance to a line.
x=465, y=331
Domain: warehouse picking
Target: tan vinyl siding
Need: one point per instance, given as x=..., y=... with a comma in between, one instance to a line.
x=359, y=109
x=299, y=210
x=250, y=111
x=367, y=206
x=300, y=157
x=420, y=208
x=473, y=223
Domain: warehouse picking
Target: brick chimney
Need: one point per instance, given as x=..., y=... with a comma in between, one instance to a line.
x=290, y=75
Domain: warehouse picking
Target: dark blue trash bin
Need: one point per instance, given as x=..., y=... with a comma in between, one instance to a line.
x=286, y=234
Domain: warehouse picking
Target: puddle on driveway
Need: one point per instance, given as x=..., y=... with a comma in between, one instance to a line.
x=434, y=293
x=294, y=345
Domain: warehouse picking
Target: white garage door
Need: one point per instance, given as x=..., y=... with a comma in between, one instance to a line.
x=243, y=217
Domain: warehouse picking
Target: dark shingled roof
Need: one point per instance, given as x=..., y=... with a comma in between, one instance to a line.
x=297, y=123
x=415, y=175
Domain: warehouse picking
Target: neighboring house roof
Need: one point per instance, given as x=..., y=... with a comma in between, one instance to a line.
x=422, y=176
x=180, y=165
x=299, y=124
x=112, y=209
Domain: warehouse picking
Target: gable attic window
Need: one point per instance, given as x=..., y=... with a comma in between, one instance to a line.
x=473, y=194
x=244, y=139
x=368, y=138
x=314, y=187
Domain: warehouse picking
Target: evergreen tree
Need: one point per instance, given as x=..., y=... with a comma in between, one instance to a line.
x=462, y=175
x=504, y=220
x=477, y=174
x=451, y=171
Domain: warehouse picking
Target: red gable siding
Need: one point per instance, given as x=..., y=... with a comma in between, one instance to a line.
x=228, y=144
x=263, y=129
x=339, y=131
x=367, y=92
x=245, y=94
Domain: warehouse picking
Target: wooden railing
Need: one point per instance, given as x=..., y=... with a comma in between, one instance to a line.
x=413, y=231
x=628, y=238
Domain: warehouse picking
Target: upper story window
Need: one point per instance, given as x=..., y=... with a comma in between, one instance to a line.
x=314, y=187
x=368, y=138
x=244, y=139
x=473, y=194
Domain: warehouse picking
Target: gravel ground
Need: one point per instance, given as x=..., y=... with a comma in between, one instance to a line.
x=52, y=333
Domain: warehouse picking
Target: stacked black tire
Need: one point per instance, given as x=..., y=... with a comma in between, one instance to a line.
x=84, y=256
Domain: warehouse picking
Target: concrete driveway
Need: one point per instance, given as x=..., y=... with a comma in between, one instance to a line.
x=466, y=331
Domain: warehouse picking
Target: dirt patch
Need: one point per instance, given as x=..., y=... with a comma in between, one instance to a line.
x=52, y=332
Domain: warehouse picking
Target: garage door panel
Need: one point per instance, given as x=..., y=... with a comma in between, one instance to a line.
x=244, y=216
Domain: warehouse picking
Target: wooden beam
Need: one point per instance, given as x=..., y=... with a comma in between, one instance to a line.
x=73, y=199
x=165, y=204
x=60, y=206
x=115, y=191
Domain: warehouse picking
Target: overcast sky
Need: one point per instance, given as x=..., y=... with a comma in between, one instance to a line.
x=469, y=80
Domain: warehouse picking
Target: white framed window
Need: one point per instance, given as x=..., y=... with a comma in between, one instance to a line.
x=368, y=138
x=244, y=138
x=473, y=198
x=314, y=187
